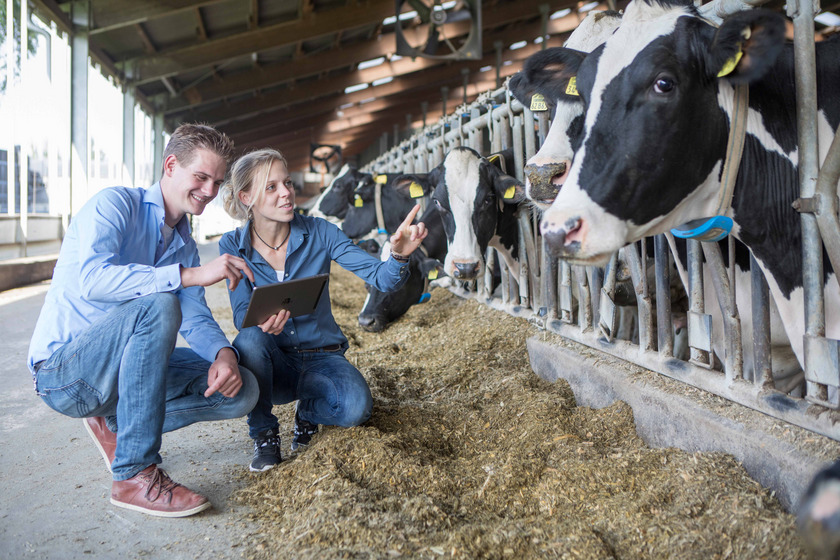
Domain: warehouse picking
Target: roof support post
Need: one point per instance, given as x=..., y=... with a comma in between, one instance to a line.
x=157, y=144
x=80, y=16
x=128, y=137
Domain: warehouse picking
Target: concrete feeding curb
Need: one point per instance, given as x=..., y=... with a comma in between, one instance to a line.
x=667, y=419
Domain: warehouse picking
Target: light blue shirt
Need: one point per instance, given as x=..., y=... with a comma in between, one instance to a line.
x=108, y=257
x=313, y=245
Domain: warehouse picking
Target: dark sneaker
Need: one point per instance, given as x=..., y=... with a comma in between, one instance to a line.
x=303, y=432
x=266, y=451
x=151, y=491
x=105, y=439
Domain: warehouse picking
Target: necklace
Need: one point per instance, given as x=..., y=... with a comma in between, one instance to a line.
x=272, y=247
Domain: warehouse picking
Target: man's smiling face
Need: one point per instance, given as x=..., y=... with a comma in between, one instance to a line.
x=188, y=188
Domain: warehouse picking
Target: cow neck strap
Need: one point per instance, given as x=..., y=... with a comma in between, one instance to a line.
x=734, y=147
x=718, y=226
x=380, y=217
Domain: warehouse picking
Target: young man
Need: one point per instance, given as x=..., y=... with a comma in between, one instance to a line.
x=127, y=280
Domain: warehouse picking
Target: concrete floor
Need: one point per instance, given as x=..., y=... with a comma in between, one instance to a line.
x=54, y=503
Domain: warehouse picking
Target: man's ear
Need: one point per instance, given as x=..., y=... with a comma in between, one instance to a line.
x=746, y=46
x=169, y=165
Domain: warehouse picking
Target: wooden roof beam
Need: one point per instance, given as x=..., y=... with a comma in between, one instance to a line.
x=113, y=14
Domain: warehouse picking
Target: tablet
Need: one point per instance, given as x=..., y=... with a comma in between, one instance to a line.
x=300, y=297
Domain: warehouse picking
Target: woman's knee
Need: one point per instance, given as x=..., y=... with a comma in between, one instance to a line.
x=356, y=405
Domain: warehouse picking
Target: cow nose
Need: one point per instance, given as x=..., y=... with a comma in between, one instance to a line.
x=559, y=239
x=466, y=271
x=545, y=180
x=372, y=323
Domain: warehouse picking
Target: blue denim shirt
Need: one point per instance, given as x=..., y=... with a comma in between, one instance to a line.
x=313, y=244
x=108, y=257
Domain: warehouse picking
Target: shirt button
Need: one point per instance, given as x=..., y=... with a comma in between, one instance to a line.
x=291, y=332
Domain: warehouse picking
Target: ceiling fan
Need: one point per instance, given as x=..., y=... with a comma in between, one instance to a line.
x=453, y=29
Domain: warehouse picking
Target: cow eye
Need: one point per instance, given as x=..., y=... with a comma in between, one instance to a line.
x=663, y=85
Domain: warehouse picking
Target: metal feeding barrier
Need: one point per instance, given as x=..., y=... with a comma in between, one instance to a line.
x=579, y=303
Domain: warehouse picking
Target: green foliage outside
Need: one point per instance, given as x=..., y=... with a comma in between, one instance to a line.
x=32, y=42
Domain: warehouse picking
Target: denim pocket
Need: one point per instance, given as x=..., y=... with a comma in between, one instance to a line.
x=76, y=400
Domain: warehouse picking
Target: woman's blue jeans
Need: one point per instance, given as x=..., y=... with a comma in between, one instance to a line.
x=329, y=389
x=126, y=368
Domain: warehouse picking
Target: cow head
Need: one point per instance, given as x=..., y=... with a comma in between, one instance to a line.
x=656, y=124
x=361, y=214
x=469, y=195
x=338, y=195
x=547, y=170
x=383, y=308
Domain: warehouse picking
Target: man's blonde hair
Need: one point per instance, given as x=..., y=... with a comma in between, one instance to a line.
x=188, y=138
x=249, y=170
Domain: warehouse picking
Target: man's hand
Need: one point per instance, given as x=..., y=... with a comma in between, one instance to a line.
x=275, y=323
x=225, y=267
x=408, y=237
x=223, y=375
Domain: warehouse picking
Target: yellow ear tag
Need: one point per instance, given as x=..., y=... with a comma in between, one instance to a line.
x=538, y=103
x=571, y=89
x=415, y=190
x=494, y=158
x=381, y=179
x=730, y=64
x=433, y=274
x=358, y=203
x=510, y=192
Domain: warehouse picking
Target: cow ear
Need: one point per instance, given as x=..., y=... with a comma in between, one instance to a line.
x=413, y=185
x=747, y=45
x=553, y=72
x=508, y=189
x=431, y=268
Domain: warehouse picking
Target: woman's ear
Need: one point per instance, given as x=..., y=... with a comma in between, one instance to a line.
x=244, y=197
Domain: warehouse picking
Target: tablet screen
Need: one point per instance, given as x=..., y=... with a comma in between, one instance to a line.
x=299, y=297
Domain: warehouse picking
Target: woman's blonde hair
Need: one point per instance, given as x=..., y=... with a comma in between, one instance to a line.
x=249, y=170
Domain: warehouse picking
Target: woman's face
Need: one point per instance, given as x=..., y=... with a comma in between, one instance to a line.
x=278, y=199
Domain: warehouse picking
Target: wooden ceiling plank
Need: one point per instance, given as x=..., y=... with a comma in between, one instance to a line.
x=144, y=37
x=217, y=50
x=277, y=73
x=200, y=28
x=113, y=14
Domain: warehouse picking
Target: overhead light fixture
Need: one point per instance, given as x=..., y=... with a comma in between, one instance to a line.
x=368, y=100
x=382, y=81
x=507, y=63
x=345, y=106
x=485, y=68
x=371, y=63
x=588, y=7
x=403, y=16
x=560, y=13
x=518, y=45
x=828, y=19
x=357, y=87
x=538, y=40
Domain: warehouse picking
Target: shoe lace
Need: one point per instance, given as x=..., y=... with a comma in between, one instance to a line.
x=305, y=428
x=266, y=445
x=159, y=484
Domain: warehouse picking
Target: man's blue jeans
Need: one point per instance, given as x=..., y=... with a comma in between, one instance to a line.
x=329, y=389
x=126, y=368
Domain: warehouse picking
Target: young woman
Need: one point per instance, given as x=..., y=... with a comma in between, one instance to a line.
x=300, y=359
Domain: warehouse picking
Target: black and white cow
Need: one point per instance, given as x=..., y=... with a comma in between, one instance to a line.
x=818, y=514
x=396, y=203
x=338, y=196
x=655, y=134
x=382, y=308
x=546, y=170
x=478, y=203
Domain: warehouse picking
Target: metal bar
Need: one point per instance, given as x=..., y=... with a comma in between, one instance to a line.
x=696, y=303
x=734, y=357
x=762, y=367
x=637, y=273
x=665, y=330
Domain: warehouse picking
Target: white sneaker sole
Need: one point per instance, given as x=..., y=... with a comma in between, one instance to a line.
x=185, y=513
x=98, y=445
x=265, y=468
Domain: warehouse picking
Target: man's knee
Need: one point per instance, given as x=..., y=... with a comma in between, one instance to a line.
x=164, y=308
x=246, y=399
